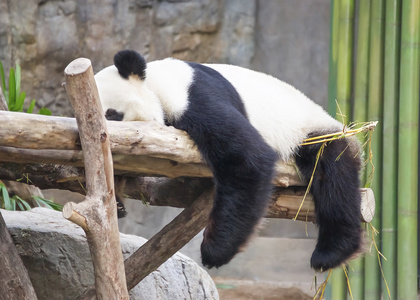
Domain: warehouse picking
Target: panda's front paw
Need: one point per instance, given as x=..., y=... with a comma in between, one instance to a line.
x=121, y=212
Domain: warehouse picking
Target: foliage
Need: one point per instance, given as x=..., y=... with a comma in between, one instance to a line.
x=15, y=100
x=14, y=97
x=16, y=203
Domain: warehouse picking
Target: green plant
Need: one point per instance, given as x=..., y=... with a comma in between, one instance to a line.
x=14, y=97
x=17, y=203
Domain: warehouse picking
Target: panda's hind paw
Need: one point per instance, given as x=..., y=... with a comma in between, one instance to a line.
x=324, y=260
x=336, y=252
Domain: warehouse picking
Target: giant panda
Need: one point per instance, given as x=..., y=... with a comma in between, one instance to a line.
x=242, y=122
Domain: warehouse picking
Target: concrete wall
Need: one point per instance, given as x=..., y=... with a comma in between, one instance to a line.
x=292, y=42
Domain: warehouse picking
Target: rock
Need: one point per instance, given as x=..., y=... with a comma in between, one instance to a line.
x=57, y=257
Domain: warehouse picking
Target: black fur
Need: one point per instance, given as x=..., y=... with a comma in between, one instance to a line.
x=121, y=212
x=243, y=166
x=335, y=189
x=113, y=115
x=129, y=62
x=241, y=161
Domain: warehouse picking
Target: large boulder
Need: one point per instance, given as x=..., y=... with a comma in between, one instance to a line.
x=57, y=257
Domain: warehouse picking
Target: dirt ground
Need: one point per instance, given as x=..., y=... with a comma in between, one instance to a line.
x=250, y=290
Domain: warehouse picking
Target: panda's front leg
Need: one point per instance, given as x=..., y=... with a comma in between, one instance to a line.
x=119, y=184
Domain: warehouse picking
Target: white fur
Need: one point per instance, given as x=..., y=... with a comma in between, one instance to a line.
x=131, y=96
x=170, y=80
x=283, y=115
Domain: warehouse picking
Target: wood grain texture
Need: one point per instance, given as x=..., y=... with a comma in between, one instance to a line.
x=97, y=213
x=147, y=148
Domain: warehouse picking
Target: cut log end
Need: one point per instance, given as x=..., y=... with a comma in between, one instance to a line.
x=70, y=214
x=367, y=205
x=288, y=203
x=77, y=66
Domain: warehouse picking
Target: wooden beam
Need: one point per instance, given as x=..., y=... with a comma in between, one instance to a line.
x=138, y=147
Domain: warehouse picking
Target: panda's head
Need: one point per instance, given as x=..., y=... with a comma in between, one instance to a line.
x=123, y=90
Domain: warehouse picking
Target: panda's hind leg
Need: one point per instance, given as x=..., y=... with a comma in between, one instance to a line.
x=335, y=189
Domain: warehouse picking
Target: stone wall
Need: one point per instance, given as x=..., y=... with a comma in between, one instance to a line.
x=287, y=38
x=44, y=36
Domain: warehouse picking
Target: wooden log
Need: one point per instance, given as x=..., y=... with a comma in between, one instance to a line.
x=289, y=204
x=138, y=147
x=97, y=213
x=176, y=192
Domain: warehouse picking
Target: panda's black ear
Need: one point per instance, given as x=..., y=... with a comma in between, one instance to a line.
x=129, y=62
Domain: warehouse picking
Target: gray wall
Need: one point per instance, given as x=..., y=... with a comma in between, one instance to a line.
x=292, y=42
x=285, y=38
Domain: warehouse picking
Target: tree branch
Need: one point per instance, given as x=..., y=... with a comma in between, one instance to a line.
x=97, y=213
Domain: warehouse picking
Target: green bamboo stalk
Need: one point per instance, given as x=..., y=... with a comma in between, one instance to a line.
x=356, y=267
x=375, y=111
x=336, y=280
x=338, y=284
x=390, y=142
x=408, y=150
x=362, y=61
x=344, y=62
x=333, y=56
x=356, y=277
x=344, y=85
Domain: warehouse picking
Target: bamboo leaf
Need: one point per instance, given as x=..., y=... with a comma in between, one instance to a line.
x=47, y=203
x=20, y=205
x=19, y=102
x=13, y=202
x=12, y=89
x=6, y=199
x=23, y=204
x=31, y=106
x=45, y=111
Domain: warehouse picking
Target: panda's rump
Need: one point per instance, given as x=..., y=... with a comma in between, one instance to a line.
x=283, y=115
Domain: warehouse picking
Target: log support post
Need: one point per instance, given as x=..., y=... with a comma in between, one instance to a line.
x=166, y=242
x=97, y=213
x=14, y=278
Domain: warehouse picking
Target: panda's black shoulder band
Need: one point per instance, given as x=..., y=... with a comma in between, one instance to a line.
x=130, y=62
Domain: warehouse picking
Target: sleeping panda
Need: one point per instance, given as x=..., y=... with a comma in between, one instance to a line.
x=242, y=122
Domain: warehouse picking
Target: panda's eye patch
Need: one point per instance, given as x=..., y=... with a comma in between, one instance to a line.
x=113, y=115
